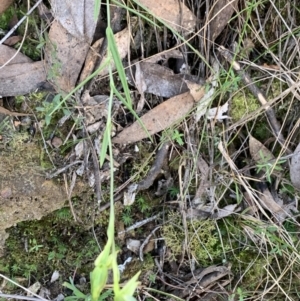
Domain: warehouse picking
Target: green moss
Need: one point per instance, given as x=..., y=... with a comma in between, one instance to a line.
x=55, y=242
x=203, y=242
x=243, y=105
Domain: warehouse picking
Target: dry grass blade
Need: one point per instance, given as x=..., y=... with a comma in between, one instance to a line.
x=295, y=168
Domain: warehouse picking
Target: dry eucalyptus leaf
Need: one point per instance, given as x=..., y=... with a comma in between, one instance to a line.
x=122, y=40
x=295, y=168
x=20, y=79
x=76, y=17
x=219, y=16
x=64, y=55
x=158, y=119
x=259, y=153
x=173, y=12
x=4, y=5
x=8, y=52
x=156, y=79
x=196, y=90
x=280, y=211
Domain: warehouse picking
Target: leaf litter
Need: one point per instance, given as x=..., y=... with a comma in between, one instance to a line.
x=178, y=95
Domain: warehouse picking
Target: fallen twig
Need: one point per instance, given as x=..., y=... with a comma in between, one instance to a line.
x=145, y=242
x=140, y=224
x=63, y=169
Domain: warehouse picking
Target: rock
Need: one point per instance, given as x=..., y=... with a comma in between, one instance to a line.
x=24, y=192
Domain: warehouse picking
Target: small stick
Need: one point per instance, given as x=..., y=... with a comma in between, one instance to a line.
x=275, y=125
x=63, y=169
x=140, y=224
x=145, y=242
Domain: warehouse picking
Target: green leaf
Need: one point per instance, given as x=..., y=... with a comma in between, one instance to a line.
x=98, y=281
x=73, y=288
x=126, y=293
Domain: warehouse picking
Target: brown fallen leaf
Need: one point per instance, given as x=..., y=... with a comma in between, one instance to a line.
x=12, y=40
x=4, y=4
x=64, y=56
x=122, y=40
x=158, y=119
x=173, y=12
x=20, y=79
x=76, y=17
x=156, y=79
x=258, y=151
x=8, y=52
x=219, y=16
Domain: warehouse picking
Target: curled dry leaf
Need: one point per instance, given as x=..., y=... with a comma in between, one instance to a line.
x=217, y=113
x=55, y=276
x=33, y=289
x=133, y=245
x=122, y=40
x=226, y=211
x=158, y=119
x=295, y=168
x=173, y=12
x=278, y=209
